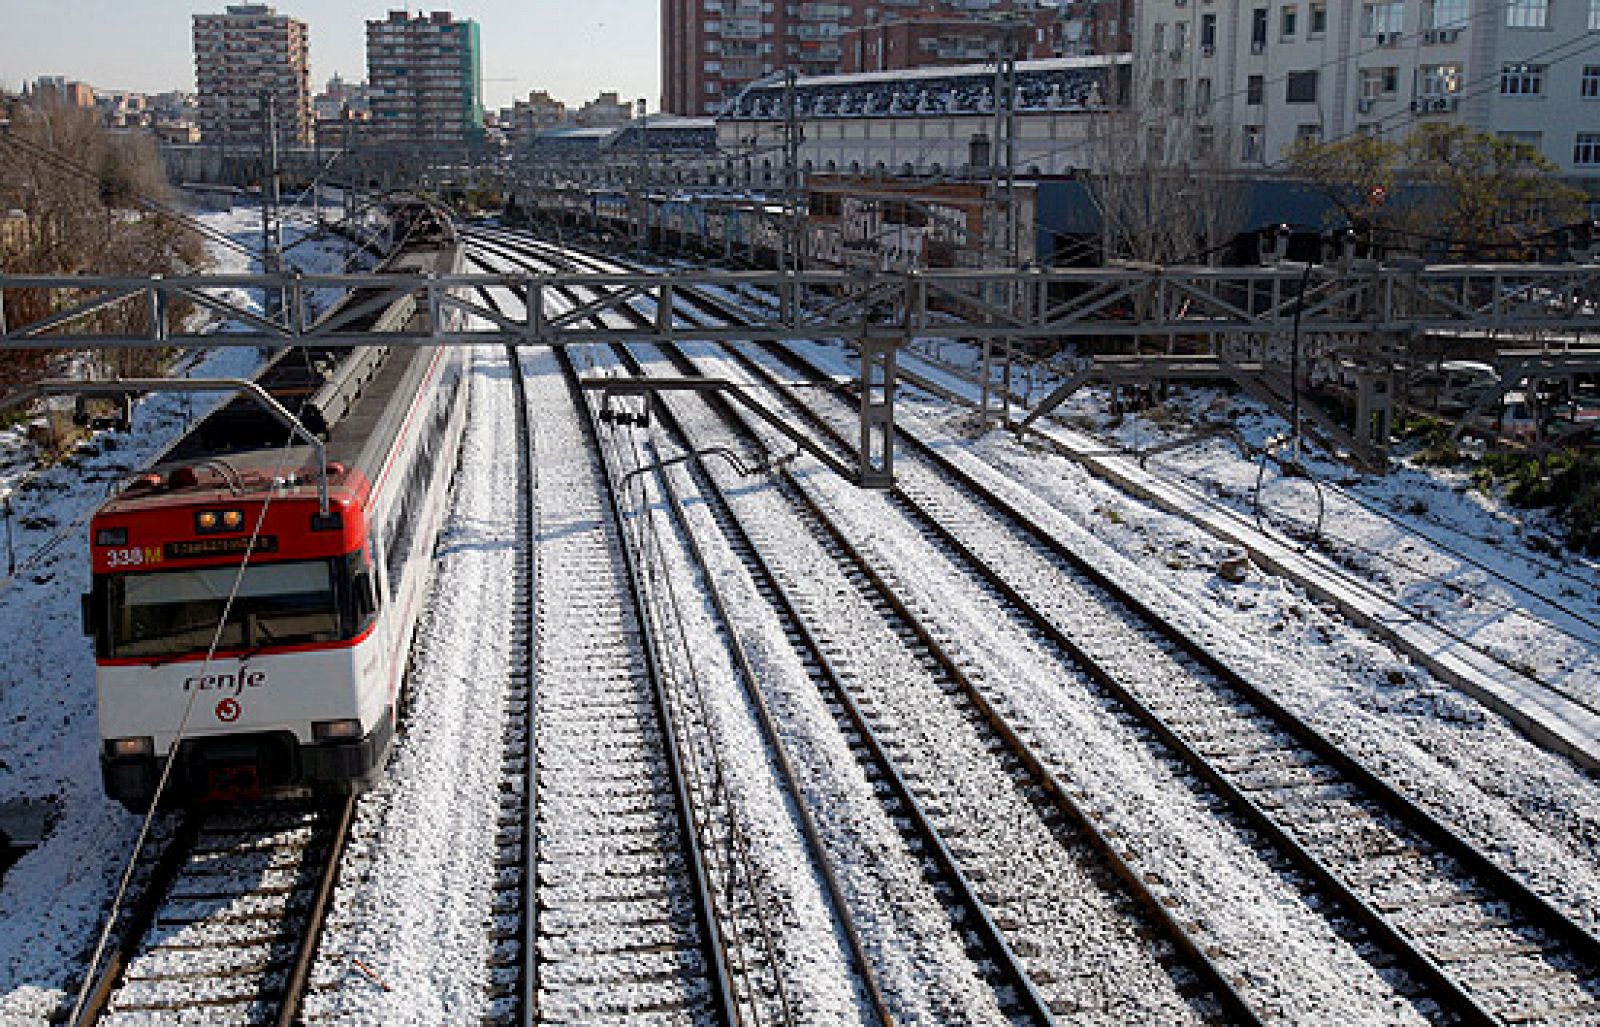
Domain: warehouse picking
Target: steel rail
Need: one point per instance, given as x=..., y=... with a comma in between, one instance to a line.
x=333, y=819
x=1380, y=928
x=814, y=655
x=1537, y=909
x=713, y=492
x=1061, y=800
x=306, y=950
x=141, y=915
x=527, y=993
x=724, y=1001
x=767, y=723
x=714, y=946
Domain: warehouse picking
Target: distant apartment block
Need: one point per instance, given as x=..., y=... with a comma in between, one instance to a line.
x=55, y=91
x=425, y=80
x=711, y=49
x=604, y=110
x=241, y=57
x=923, y=38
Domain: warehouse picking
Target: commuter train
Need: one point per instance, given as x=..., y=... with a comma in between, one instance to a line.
x=253, y=640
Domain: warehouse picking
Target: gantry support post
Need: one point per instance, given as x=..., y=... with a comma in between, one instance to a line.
x=876, y=458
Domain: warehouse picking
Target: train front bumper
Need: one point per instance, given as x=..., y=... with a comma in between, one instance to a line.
x=267, y=765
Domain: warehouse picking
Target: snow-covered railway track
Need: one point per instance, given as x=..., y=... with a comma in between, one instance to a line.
x=228, y=919
x=1485, y=946
x=1092, y=939
x=993, y=958
x=608, y=914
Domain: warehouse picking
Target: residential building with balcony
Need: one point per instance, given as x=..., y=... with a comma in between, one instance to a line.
x=243, y=56
x=425, y=79
x=712, y=49
x=1257, y=77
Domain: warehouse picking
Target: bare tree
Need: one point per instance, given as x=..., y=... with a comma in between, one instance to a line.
x=1160, y=183
x=77, y=186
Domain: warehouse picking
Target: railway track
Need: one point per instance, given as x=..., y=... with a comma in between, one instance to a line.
x=1089, y=942
x=228, y=918
x=1541, y=607
x=1081, y=926
x=1015, y=998
x=609, y=914
x=1487, y=948
x=1459, y=936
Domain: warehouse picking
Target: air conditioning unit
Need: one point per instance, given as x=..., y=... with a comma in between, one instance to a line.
x=1389, y=39
x=1434, y=104
x=1207, y=50
x=1364, y=105
x=1258, y=46
x=1176, y=55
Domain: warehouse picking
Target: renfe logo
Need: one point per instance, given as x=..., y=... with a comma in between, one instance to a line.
x=235, y=683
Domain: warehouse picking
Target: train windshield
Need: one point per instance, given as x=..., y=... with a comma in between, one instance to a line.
x=173, y=613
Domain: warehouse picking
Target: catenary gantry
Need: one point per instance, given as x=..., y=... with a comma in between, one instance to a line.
x=1356, y=297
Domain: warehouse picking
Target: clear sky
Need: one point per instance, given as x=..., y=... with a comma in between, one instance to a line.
x=573, y=48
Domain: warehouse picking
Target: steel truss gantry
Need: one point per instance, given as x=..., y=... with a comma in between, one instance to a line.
x=1200, y=303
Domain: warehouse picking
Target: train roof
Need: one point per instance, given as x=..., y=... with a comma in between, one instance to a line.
x=355, y=398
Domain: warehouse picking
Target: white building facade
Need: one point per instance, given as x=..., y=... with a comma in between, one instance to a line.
x=1251, y=77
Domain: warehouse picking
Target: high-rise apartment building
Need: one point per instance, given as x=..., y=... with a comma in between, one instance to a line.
x=425, y=79
x=1258, y=76
x=710, y=49
x=240, y=58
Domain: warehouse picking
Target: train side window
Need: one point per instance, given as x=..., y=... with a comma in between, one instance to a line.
x=363, y=593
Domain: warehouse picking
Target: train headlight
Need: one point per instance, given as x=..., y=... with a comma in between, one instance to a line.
x=335, y=730
x=210, y=522
x=142, y=746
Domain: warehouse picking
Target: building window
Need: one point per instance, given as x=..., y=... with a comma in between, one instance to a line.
x=1288, y=22
x=1439, y=79
x=1587, y=149
x=1258, y=30
x=1208, y=32
x=1319, y=20
x=1301, y=87
x=1522, y=80
x=1448, y=14
x=1158, y=92
x=1589, y=87
x=1204, y=139
x=1376, y=82
x=1387, y=18
x=1180, y=94
x=1527, y=14
x=1202, y=95
x=1180, y=37
x=1255, y=88
x=1305, y=134
x=1594, y=15
x=1158, y=38
x=1251, y=150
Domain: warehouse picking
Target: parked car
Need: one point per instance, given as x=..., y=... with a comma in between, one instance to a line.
x=1515, y=418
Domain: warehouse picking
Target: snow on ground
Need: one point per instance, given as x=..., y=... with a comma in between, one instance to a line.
x=1535, y=811
x=406, y=941
x=1453, y=553
x=52, y=901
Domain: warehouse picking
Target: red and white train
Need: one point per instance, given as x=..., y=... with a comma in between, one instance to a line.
x=240, y=632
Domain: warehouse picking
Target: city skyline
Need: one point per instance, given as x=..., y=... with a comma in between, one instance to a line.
x=526, y=45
